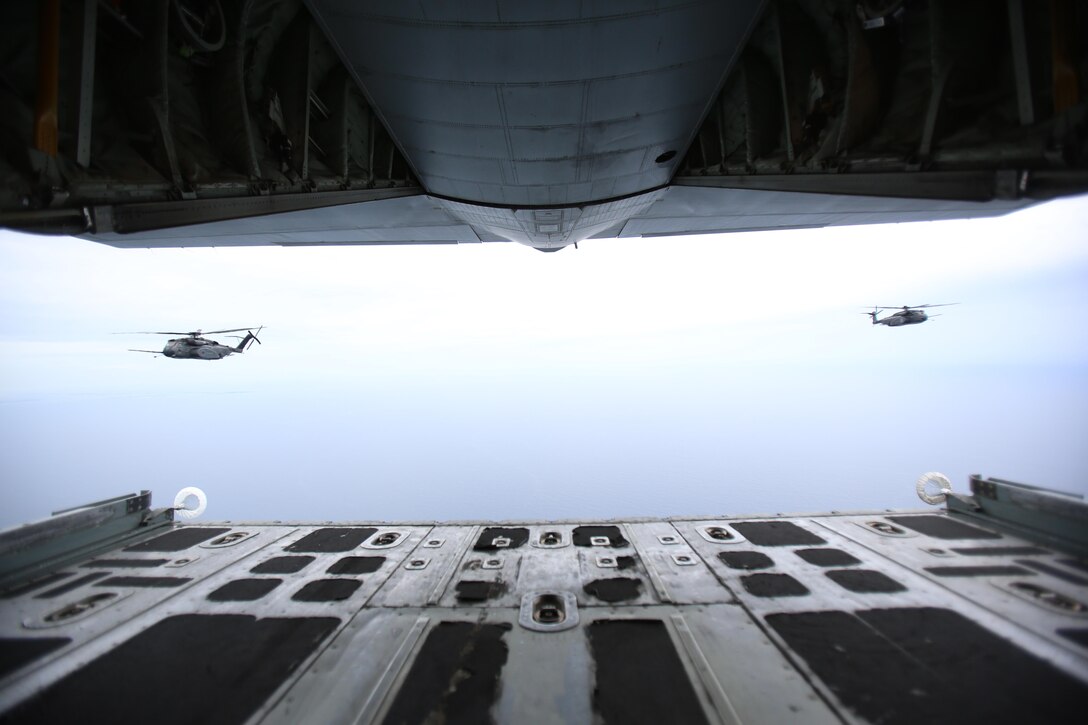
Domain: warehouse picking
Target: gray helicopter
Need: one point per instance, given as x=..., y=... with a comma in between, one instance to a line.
x=907, y=315
x=195, y=347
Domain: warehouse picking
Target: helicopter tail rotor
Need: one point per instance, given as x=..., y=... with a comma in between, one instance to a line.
x=250, y=335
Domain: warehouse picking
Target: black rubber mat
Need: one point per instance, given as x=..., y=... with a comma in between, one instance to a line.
x=942, y=527
x=18, y=652
x=283, y=565
x=178, y=539
x=777, y=533
x=517, y=536
x=144, y=581
x=73, y=584
x=747, y=560
x=1076, y=563
x=244, y=590
x=640, y=678
x=828, y=557
x=978, y=571
x=979, y=665
x=1056, y=572
x=356, y=565
x=227, y=664
x=865, y=581
x=327, y=590
x=773, y=585
x=124, y=563
x=584, y=535
x=455, y=676
x=1080, y=636
x=27, y=587
x=999, y=550
x=912, y=665
x=479, y=591
x=618, y=589
x=332, y=539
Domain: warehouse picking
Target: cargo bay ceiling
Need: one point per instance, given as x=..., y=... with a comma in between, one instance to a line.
x=256, y=122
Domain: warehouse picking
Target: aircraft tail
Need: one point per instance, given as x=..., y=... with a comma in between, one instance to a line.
x=872, y=315
x=250, y=337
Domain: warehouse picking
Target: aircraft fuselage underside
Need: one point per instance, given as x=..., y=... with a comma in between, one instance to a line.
x=545, y=124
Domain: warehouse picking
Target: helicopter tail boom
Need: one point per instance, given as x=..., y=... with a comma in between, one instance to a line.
x=250, y=336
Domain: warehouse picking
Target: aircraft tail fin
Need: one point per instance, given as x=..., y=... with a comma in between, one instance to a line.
x=250, y=337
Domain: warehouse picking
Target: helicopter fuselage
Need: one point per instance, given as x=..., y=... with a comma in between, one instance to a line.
x=904, y=317
x=193, y=346
x=196, y=349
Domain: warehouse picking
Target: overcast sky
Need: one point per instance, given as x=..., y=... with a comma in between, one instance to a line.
x=723, y=374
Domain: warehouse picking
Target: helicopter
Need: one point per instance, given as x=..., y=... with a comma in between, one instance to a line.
x=907, y=314
x=195, y=346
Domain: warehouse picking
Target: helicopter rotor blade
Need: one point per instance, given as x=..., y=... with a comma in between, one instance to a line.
x=192, y=335
x=915, y=307
x=189, y=333
x=216, y=332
